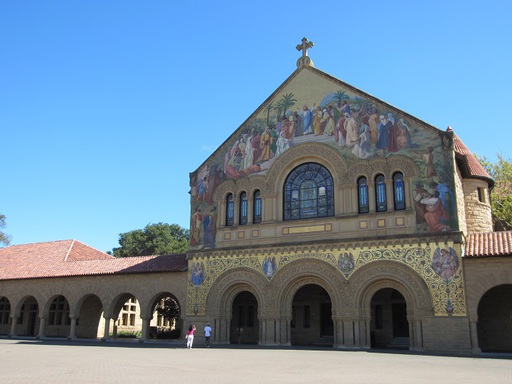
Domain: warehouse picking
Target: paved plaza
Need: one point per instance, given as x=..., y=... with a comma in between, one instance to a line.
x=52, y=361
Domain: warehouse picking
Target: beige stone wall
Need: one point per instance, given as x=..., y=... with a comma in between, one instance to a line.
x=483, y=274
x=478, y=213
x=461, y=202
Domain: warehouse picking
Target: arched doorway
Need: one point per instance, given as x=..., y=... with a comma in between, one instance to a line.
x=389, y=324
x=89, y=317
x=312, y=317
x=494, y=320
x=244, y=323
x=27, y=324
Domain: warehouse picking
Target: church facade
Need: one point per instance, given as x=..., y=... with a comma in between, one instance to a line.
x=329, y=218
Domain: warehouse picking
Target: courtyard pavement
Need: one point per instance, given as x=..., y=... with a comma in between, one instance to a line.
x=81, y=361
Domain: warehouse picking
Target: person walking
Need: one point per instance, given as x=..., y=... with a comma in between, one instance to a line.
x=190, y=335
x=207, y=335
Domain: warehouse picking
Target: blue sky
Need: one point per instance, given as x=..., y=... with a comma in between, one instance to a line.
x=105, y=107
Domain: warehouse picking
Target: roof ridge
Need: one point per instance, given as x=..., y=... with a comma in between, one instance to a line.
x=69, y=250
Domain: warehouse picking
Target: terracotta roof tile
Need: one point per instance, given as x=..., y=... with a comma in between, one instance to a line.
x=468, y=164
x=73, y=258
x=489, y=244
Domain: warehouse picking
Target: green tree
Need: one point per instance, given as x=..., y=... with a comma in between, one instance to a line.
x=169, y=309
x=501, y=194
x=154, y=239
x=4, y=238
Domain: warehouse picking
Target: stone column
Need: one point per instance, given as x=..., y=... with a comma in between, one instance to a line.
x=416, y=335
x=269, y=331
x=285, y=329
x=106, y=333
x=221, y=334
x=348, y=333
x=365, y=324
x=14, y=322
x=42, y=322
x=357, y=336
x=72, y=330
x=145, y=329
x=473, y=330
x=339, y=337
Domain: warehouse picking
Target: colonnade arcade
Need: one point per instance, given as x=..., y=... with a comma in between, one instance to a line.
x=307, y=302
x=67, y=311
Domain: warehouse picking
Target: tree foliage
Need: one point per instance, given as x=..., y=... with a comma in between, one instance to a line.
x=169, y=309
x=154, y=239
x=4, y=238
x=501, y=194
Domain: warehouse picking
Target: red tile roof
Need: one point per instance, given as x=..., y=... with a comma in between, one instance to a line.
x=73, y=258
x=489, y=244
x=468, y=165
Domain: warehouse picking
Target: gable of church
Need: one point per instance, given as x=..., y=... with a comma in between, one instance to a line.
x=313, y=107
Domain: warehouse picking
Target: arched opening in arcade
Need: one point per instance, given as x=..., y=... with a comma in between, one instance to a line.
x=126, y=321
x=495, y=320
x=27, y=323
x=312, y=317
x=5, y=315
x=58, y=322
x=389, y=324
x=244, y=322
x=89, y=317
x=166, y=322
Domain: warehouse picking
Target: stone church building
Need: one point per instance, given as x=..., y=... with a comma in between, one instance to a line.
x=329, y=217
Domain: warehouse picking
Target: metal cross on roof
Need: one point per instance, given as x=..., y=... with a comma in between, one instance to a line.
x=304, y=46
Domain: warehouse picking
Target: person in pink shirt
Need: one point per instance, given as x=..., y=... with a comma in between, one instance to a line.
x=190, y=335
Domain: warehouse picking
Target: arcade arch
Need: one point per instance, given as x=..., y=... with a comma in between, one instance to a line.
x=494, y=319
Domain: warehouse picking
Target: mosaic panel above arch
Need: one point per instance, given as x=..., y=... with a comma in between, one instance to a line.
x=438, y=266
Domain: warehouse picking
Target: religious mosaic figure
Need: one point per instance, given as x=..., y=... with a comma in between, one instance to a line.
x=445, y=263
x=269, y=266
x=346, y=262
x=198, y=273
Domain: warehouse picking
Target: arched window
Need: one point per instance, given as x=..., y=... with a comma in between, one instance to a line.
x=308, y=193
x=362, y=194
x=230, y=210
x=380, y=194
x=242, y=219
x=399, y=191
x=256, y=207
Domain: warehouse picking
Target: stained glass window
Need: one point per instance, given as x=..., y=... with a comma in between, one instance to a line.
x=308, y=193
x=380, y=193
x=230, y=210
x=257, y=207
x=242, y=220
x=362, y=188
x=398, y=191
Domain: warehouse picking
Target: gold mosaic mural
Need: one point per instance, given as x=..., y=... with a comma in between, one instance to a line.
x=439, y=266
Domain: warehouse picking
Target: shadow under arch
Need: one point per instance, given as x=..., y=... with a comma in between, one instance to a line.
x=56, y=313
x=87, y=310
x=494, y=326
x=384, y=274
x=27, y=311
x=301, y=272
x=222, y=295
x=229, y=284
x=372, y=277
